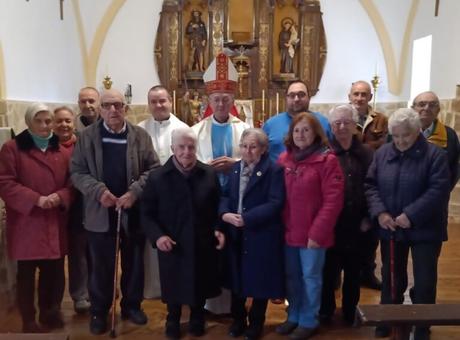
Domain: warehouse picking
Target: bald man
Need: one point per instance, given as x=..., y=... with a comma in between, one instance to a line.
x=110, y=165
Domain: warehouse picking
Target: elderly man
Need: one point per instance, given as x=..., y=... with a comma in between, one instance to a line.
x=110, y=165
x=89, y=105
x=427, y=106
x=219, y=136
x=276, y=128
x=373, y=130
x=179, y=210
x=159, y=126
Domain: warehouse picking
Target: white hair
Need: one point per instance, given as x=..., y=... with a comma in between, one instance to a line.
x=183, y=132
x=344, y=108
x=260, y=135
x=404, y=117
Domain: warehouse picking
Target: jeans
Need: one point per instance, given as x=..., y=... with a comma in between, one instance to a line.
x=304, y=278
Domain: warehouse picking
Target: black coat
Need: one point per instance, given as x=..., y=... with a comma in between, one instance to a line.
x=354, y=163
x=185, y=209
x=255, y=251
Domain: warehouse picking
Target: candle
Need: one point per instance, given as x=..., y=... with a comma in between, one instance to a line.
x=277, y=102
x=376, y=68
x=263, y=101
x=174, y=101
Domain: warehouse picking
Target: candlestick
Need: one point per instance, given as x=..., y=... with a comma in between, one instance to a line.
x=277, y=102
x=174, y=102
x=263, y=101
x=375, y=85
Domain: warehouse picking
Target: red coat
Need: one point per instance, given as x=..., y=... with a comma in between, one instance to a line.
x=314, y=198
x=26, y=173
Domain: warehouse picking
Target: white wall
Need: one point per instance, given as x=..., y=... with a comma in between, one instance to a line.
x=43, y=58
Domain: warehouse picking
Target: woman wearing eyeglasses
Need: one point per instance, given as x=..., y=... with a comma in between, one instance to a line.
x=353, y=222
x=314, y=198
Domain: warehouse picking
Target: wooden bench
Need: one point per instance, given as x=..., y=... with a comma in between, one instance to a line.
x=402, y=317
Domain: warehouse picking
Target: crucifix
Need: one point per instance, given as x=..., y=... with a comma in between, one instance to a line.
x=436, y=8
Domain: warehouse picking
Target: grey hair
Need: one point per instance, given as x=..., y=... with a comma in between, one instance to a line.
x=406, y=117
x=260, y=135
x=183, y=132
x=33, y=109
x=344, y=108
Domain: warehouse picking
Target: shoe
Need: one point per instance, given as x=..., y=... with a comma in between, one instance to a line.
x=52, y=320
x=253, y=332
x=32, y=327
x=303, y=333
x=286, y=328
x=172, y=331
x=237, y=328
x=371, y=281
x=325, y=319
x=98, y=325
x=422, y=333
x=196, y=328
x=382, y=332
x=136, y=316
x=81, y=306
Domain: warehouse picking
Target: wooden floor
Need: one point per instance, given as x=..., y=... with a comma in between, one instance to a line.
x=448, y=292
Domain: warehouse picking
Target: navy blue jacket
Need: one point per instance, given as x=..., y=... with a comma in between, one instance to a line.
x=255, y=251
x=415, y=182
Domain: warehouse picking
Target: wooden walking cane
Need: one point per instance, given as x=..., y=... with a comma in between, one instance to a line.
x=113, y=334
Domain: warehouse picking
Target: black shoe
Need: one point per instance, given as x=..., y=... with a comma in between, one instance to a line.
x=136, y=316
x=286, y=328
x=98, y=324
x=237, y=328
x=303, y=333
x=325, y=319
x=172, y=330
x=253, y=332
x=371, y=281
x=382, y=331
x=196, y=328
x=32, y=327
x=52, y=320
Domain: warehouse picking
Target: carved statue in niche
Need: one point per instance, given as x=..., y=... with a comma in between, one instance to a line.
x=192, y=108
x=288, y=42
x=197, y=35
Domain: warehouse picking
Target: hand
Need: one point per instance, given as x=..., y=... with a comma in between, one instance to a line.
x=312, y=244
x=165, y=243
x=107, y=199
x=54, y=200
x=43, y=202
x=126, y=201
x=233, y=219
x=387, y=222
x=222, y=164
x=365, y=225
x=221, y=238
x=403, y=221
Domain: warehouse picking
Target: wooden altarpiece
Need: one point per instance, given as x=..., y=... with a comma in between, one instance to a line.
x=271, y=43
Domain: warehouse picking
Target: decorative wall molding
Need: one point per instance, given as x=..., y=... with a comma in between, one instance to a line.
x=2, y=74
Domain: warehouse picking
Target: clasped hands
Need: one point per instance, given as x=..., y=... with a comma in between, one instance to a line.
x=125, y=201
x=387, y=222
x=49, y=202
x=166, y=244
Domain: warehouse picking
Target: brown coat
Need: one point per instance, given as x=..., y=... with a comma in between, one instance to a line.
x=375, y=130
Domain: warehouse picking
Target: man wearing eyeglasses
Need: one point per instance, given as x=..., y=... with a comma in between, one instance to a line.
x=110, y=165
x=427, y=106
x=276, y=128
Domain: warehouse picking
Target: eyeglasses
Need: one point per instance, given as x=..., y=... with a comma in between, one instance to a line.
x=116, y=105
x=431, y=105
x=300, y=94
x=344, y=122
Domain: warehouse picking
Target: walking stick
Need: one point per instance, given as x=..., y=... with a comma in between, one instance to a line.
x=113, y=334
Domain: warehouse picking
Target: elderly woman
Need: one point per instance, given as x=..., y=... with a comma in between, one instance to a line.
x=251, y=210
x=34, y=183
x=407, y=191
x=180, y=211
x=314, y=198
x=353, y=222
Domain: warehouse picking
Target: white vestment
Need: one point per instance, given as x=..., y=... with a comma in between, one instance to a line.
x=160, y=132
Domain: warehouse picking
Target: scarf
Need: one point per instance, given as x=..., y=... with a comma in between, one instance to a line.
x=439, y=135
x=40, y=142
x=300, y=155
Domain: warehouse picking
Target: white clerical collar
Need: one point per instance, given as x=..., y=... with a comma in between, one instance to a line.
x=214, y=121
x=164, y=121
x=123, y=129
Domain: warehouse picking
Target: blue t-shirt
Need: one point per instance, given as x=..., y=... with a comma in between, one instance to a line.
x=222, y=145
x=277, y=128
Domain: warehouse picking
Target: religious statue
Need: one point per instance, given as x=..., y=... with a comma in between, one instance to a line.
x=197, y=36
x=192, y=108
x=288, y=41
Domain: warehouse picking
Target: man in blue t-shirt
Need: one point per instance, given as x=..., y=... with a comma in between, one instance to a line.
x=297, y=100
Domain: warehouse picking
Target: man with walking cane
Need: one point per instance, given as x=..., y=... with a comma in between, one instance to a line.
x=110, y=165
x=407, y=189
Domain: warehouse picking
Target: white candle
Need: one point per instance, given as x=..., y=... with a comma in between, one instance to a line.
x=277, y=102
x=263, y=101
x=174, y=101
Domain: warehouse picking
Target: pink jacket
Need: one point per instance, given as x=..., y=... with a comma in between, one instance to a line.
x=26, y=173
x=314, y=198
